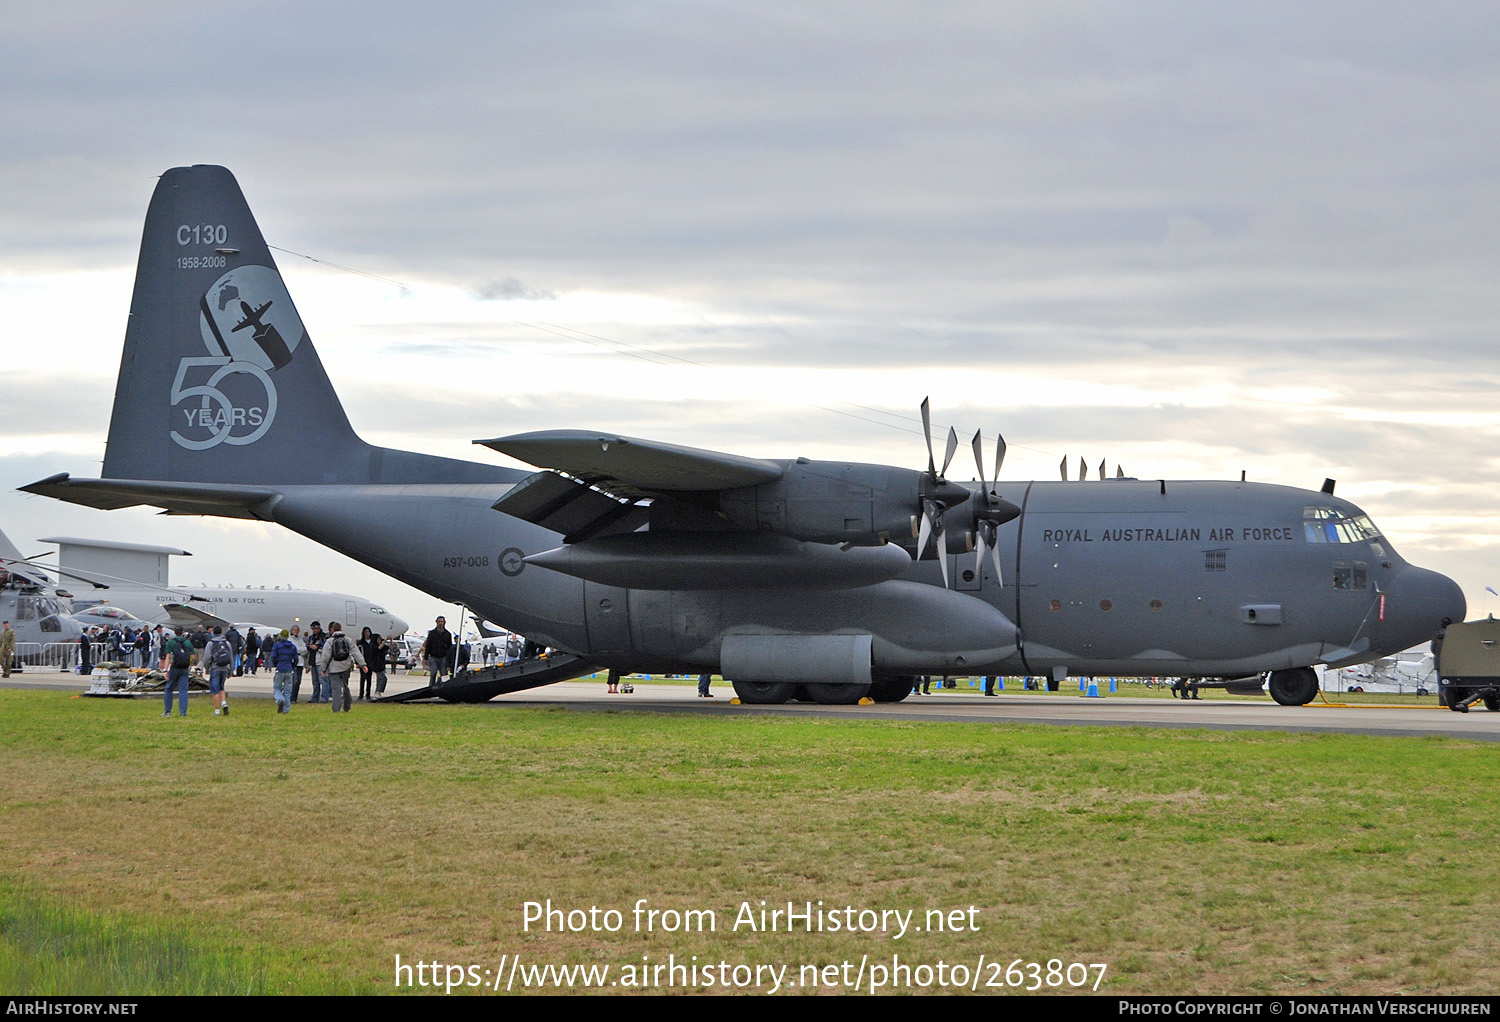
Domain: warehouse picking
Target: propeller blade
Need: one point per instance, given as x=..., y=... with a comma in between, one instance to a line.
x=999, y=457
x=1062, y=468
x=927, y=433
x=952, y=446
x=1119, y=471
x=978, y=455
x=995, y=556
x=942, y=553
x=1101, y=468
x=979, y=544
x=1083, y=470
x=924, y=532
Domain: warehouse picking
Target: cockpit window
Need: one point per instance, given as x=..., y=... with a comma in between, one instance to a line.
x=378, y=611
x=1330, y=525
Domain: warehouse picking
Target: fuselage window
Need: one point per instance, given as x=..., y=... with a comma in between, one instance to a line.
x=25, y=608
x=1350, y=575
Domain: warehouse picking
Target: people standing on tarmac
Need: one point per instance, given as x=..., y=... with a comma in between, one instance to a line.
x=179, y=657
x=337, y=659
x=703, y=680
x=366, y=672
x=285, y=661
x=237, y=647
x=218, y=660
x=436, y=649
x=301, y=646
x=252, y=650
x=372, y=675
x=7, y=646
x=315, y=639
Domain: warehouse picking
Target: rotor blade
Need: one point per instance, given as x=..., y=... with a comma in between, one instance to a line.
x=978, y=455
x=927, y=434
x=999, y=457
x=952, y=446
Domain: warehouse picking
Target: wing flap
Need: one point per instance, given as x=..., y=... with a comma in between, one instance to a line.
x=571, y=507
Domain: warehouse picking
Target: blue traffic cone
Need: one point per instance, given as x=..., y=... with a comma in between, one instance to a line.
x=1093, y=692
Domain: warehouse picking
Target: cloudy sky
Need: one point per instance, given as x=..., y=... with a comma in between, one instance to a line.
x=1192, y=239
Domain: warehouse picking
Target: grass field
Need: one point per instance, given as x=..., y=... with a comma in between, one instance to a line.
x=303, y=853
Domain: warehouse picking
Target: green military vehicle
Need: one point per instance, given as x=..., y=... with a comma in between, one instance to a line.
x=1468, y=664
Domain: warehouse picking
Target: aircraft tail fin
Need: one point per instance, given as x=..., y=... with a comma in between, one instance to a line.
x=219, y=382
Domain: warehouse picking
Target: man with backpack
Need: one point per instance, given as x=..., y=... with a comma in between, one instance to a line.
x=337, y=659
x=179, y=656
x=218, y=661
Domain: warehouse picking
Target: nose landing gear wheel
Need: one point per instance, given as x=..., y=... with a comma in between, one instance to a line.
x=1295, y=687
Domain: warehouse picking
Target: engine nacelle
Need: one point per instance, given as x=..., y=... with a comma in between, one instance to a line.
x=833, y=502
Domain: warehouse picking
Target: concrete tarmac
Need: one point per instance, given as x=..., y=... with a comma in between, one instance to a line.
x=1059, y=708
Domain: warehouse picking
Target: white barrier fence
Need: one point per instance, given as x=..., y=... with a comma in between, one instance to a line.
x=54, y=656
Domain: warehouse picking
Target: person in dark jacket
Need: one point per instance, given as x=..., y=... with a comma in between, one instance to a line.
x=286, y=661
x=436, y=649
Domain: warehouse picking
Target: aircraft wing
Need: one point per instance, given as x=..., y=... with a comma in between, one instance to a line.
x=601, y=483
x=224, y=500
x=628, y=462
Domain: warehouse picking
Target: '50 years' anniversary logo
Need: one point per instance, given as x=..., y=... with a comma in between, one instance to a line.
x=250, y=329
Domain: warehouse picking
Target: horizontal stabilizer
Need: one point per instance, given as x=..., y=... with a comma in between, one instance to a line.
x=622, y=464
x=226, y=501
x=180, y=615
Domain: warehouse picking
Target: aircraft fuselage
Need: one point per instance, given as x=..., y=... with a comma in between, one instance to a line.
x=1120, y=577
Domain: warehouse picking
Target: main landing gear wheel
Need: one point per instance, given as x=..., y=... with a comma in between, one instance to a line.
x=763, y=693
x=1296, y=687
x=838, y=695
x=891, y=690
x=1492, y=703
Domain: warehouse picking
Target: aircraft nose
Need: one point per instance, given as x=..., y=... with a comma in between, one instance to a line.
x=1418, y=601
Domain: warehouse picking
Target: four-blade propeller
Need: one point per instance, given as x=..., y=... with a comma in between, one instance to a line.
x=938, y=496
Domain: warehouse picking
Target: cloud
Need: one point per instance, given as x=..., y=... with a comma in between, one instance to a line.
x=509, y=290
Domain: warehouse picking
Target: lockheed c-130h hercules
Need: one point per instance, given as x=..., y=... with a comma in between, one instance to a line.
x=832, y=579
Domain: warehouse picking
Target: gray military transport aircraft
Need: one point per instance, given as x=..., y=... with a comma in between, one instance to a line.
x=786, y=576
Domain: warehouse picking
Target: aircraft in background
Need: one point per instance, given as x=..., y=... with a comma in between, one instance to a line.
x=138, y=584
x=38, y=611
x=834, y=579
